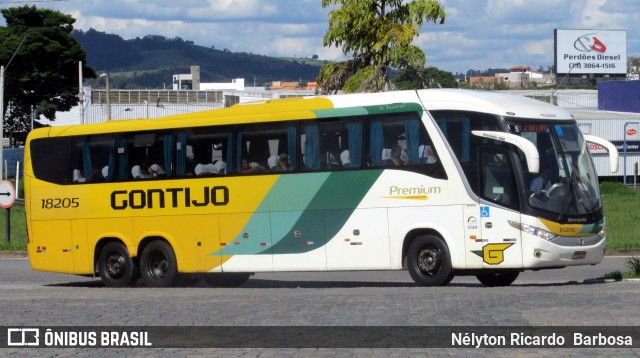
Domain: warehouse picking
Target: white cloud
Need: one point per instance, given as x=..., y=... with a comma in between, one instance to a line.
x=477, y=34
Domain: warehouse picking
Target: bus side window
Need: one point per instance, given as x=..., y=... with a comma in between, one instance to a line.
x=205, y=151
x=497, y=178
x=311, y=146
x=389, y=144
x=151, y=155
x=123, y=159
x=264, y=144
x=351, y=155
x=93, y=159
x=50, y=159
x=327, y=144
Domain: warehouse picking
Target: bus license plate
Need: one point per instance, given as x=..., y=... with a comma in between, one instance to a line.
x=579, y=255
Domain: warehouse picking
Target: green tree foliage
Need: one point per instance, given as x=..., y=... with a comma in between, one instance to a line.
x=377, y=34
x=430, y=77
x=633, y=67
x=44, y=70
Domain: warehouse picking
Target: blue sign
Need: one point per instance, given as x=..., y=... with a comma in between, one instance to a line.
x=484, y=212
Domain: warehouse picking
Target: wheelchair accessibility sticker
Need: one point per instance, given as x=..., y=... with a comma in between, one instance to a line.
x=484, y=212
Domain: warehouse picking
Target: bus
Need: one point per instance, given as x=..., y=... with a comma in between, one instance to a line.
x=438, y=182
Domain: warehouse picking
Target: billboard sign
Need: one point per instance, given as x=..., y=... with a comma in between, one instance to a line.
x=591, y=51
x=632, y=147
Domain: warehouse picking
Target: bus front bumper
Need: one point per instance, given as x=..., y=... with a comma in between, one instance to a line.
x=568, y=251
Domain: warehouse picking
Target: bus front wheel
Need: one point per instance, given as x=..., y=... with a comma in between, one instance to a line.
x=115, y=265
x=498, y=278
x=429, y=261
x=158, y=264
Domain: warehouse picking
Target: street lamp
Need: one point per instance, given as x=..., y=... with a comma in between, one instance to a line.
x=108, y=95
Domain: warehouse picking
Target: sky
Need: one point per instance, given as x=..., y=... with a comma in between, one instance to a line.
x=477, y=34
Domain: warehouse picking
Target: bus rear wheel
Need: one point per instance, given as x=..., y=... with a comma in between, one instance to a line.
x=498, y=278
x=158, y=264
x=429, y=261
x=115, y=265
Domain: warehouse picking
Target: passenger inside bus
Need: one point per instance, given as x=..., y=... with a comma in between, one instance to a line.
x=77, y=176
x=426, y=154
x=279, y=163
x=345, y=158
x=249, y=167
x=541, y=182
x=397, y=156
x=145, y=171
x=218, y=167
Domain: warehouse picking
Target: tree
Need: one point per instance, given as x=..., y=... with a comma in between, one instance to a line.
x=430, y=77
x=378, y=35
x=44, y=70
x=633, y=68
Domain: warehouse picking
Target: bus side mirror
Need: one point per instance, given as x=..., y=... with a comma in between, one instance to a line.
x=613, y=151
x=529, y=149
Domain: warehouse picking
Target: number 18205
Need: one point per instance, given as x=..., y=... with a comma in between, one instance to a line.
x=60, y=203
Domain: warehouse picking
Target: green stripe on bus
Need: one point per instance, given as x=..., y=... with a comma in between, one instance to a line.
x=323, y=203
x=361, y=111
x=326, y=214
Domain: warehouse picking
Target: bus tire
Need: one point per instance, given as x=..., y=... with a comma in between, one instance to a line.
x=158, y=264
x=115, y=266
x=429, y=261
x=227, y=279
x=498, y=278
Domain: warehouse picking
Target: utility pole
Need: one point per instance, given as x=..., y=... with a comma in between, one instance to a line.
x=1, y=117
x=106, y=75
x=108, y=98
x=81, y=93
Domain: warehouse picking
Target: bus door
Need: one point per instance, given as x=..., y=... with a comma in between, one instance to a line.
x=499, y=209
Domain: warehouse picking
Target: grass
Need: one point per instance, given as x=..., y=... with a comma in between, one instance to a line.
x=18, y=229
x=623, y=217
x=620, y=207
x=634, y=271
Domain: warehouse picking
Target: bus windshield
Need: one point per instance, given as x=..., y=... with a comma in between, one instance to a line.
x=567, y=183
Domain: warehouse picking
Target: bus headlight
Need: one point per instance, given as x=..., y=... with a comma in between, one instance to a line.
x=541, y=233
x=603, y=231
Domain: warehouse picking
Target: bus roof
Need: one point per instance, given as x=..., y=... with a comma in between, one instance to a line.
x=502, y=104
x=498, y=103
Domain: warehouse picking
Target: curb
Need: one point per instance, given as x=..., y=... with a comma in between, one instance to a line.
x=622, y=252
x=13, y=254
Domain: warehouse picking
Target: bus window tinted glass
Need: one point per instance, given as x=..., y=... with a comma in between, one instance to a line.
x=150, y=154
x=93, y=158
x=50, y=158
x=204, y=151
x=270, y=146
x=401, y=141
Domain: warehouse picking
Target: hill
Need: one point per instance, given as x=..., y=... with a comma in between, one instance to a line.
x=149, y=62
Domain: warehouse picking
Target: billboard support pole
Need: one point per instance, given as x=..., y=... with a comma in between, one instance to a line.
x=624, y=151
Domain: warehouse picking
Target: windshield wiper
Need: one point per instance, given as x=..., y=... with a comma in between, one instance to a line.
x=579, y=190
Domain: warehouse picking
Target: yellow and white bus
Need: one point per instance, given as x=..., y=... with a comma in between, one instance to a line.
x=438, y=182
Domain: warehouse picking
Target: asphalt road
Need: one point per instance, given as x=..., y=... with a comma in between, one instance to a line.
x=563, y=297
